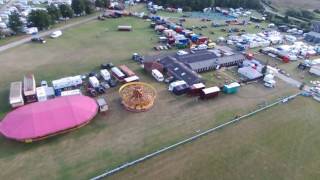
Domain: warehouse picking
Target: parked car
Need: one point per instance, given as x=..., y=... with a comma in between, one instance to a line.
x=38, y=40
x=107, y=66
x=56, y=34
x=93, y=74
x=137, y=57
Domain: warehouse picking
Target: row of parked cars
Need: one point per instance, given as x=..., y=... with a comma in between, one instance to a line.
x=99, y=82
x=162, y=47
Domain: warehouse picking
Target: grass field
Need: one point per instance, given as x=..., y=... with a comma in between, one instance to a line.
x=275, y=144
x=21, y=36
x=80, y=50
x=119, y=136
x=285, y=4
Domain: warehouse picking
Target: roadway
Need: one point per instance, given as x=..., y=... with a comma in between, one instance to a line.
x=45, y=33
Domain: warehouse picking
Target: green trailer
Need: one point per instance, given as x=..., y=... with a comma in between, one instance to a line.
x=181, y=46
x=231, y=88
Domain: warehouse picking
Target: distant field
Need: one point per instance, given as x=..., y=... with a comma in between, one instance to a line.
x=306, y=4
x=281, y=143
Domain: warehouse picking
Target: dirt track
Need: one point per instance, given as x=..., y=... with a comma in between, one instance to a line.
x=45, y=33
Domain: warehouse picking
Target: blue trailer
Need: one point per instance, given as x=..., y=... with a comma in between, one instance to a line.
x=194, y=38
x=184, y=41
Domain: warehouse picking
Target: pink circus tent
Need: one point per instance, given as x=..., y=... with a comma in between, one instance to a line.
x=47, y=118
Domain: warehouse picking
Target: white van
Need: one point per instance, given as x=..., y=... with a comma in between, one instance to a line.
x=94, y=82
x=56, y=34
x=157, y=75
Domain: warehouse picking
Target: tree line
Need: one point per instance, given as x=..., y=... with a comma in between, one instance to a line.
x=198, y=5
x=250, y=4
x=43, y=19
x=300, y=13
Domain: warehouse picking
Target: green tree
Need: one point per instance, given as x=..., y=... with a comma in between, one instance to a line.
x=54, y=12
x=78, y=6
x=14, y=22
x=66, y=11
x=102, y=3
x=40, y=19
x=307, y=14
x=89, y=7
x=286, y=19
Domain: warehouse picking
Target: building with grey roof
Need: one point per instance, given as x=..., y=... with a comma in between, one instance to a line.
x=180, y=71
x=315, y=25
x=313, y=37
x=207, y=60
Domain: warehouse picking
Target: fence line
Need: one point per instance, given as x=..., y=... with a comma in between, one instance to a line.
x=128, y=164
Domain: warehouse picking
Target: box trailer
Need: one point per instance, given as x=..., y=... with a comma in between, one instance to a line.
x=105, y=74
x=128, y=72
x=124, y=28
x=209, y=93
x=16, y=98
x=71, y=92
x=117, y=73
x=131, y=79
x=29, y=88
x=157, y=75
x=195, y=89
x=67, y=82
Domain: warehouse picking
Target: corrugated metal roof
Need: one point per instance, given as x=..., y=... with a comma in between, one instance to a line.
x=15, y=90
x=211, y=90
x=29, y=85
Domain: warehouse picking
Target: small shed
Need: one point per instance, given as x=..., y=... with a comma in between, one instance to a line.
x=124, y=28
x=103, y=105
x=231, y=88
